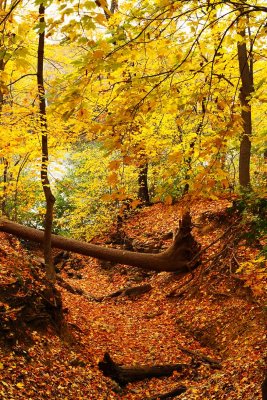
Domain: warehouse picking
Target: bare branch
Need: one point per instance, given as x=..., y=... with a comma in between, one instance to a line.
x=23, y=76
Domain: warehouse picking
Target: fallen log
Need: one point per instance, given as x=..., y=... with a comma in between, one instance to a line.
x=125, y=374
x=202, y=357
x=132, y=291
x=172, y=393
x=178, y=257
x=60, y=281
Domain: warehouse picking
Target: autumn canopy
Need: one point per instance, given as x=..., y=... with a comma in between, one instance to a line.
x=121, y=105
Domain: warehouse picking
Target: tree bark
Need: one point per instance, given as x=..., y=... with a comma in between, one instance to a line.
x=5, y=183
x=188, y=159
x=177, y=257
x=246, y=76
x=127, y=291
x=126, y=374
x=3, y=159
x=264, y=388
x=265, y=164
x=143, y=193
x=50, y=199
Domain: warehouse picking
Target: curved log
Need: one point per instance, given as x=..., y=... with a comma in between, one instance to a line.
x=175, y=258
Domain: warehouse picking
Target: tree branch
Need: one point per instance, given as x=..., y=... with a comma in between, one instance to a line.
x=23, y=76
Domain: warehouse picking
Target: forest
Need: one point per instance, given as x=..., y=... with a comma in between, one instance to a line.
x=133, y=226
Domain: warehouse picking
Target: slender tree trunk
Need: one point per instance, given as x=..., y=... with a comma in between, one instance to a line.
x=5, y=183
x=114, y=6
x=265, y=164
x=188, y=160
x=188, y=166
x=143, y=193
x=246, y=76
x=15, y=208
x=3, y=159
x=50, y=199
x=264, y=388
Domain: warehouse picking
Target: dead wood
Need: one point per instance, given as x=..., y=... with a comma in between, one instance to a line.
x=128, y=291
x=202, y=357
x=61, y=257
x=125, y=374
x=172, y=393
x=178, y=257
x=61, y=282
x=136, y=290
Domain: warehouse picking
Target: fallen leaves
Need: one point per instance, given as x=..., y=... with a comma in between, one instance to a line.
x=215, y=316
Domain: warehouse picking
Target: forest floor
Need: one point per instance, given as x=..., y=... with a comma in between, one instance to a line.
x=217, y=313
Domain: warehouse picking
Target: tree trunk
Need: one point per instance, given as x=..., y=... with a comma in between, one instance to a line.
x=264, y=388
x=5, y=183
x=188, y=159
x=265, y=164
x=143, y=194
x=246, y=75
x=50, y=200
x=180, y=257
x=126, y=374
x=3, y=159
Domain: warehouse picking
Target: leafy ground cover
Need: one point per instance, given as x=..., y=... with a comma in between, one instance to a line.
x=218, y=312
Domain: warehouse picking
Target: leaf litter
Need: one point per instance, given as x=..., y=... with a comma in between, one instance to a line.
x=212, y=313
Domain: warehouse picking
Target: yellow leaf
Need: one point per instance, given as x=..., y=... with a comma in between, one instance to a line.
x=101, y=19
x=20, y=385
x=1, y=366
x=22, y=64
x=213, y=197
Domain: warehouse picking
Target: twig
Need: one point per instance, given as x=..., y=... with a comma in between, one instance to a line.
x=210, y=245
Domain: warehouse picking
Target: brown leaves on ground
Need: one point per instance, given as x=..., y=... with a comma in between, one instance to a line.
x=211, y=313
